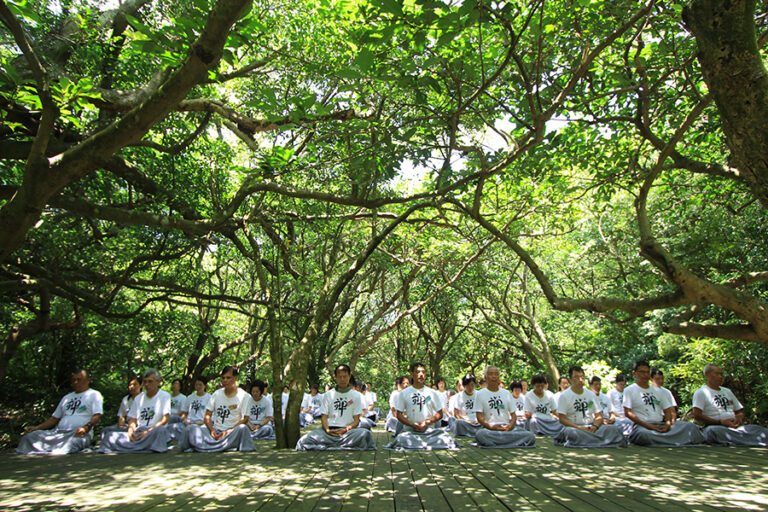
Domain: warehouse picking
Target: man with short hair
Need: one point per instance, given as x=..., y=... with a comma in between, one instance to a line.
x=657, y=379
x=420, y=410
x=339, y=417
x=147, y=421
x=651, y=411
x=540, y=409
x=463, y=419
x=616, y=396
x=70, y=427
x=225, y=419
x=580, y=414
x=260, y=413
x=596, y=385
x=392, y=424
x=496, y=412
x=723, y=415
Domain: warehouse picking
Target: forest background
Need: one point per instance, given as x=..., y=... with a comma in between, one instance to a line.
x=288, y=185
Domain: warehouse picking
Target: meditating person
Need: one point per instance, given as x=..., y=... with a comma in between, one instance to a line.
x=651, y=411
x=147, y=421
x=440, y=387
x=226, y=417
x=420, y=410
x=463, y=419
x=310, y=406
x=540, y=409
x=723, y=415
x=134, y=388
x=495, y=409
x=70, y=428
x=518, y=397
x=284, y=399
x=616, y=396
x=260, y=414
x=370, y=410
x=580, y=414
x=596, y=385
x=657, y=379
x=178, y=399
x=195, y=404
x=192, y=413
x=524, y=383
x=562, y=384
x=392, y=424
x=339, y=417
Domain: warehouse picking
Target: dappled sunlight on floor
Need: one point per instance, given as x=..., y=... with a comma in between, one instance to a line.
x=543, y=478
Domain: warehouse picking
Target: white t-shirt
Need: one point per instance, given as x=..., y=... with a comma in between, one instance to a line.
x=519, y=405
x=125, y=406
x=258, y=411
x=149, y=411
x=284, y=401
x=313, y=402
x=647, y=403
x=341, y=408
x=540, y=407
x=605, y=404
x=465, y=405
x=194, y=406
x=670, y=396
x=718, y=405
x=227, y=411
x=557, y=399
x=77, y=409
x=393, y=399
x=496, y=406
x=177, y=403
x=419, y=404
x=579, y=409
x=443, y=399
x=617, y=401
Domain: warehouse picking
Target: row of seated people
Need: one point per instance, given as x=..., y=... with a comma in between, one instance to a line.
x=232, y=418
x=150, y=421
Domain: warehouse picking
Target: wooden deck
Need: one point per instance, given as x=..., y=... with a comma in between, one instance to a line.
x=541, y=478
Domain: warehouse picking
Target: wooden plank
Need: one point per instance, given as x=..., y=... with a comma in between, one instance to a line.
x=406, y=497
x=381, y=496
x=504, y=470
x=427, y=487
x=476, y=489
x=452, y=490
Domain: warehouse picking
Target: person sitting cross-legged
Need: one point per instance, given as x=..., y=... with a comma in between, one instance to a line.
x=225, y=420
x=540, y=408
x=580, y=414
x=596, y=385
x=616, y=396
x=70, y=427
x=192, y=413
x=657, y=379
x=260, y=414
x=518, y=397
x=420, y=409
x=310, y=406
x=651, y=411
x=134, y=388
x=147, y=421
x=463, y=419
x=392, y=424
x=339, y=416
x=723, y=415
x=495, y=408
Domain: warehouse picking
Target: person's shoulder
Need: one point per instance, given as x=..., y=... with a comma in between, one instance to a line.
x=547, y=394
x=93, y=393
x=163, y=394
